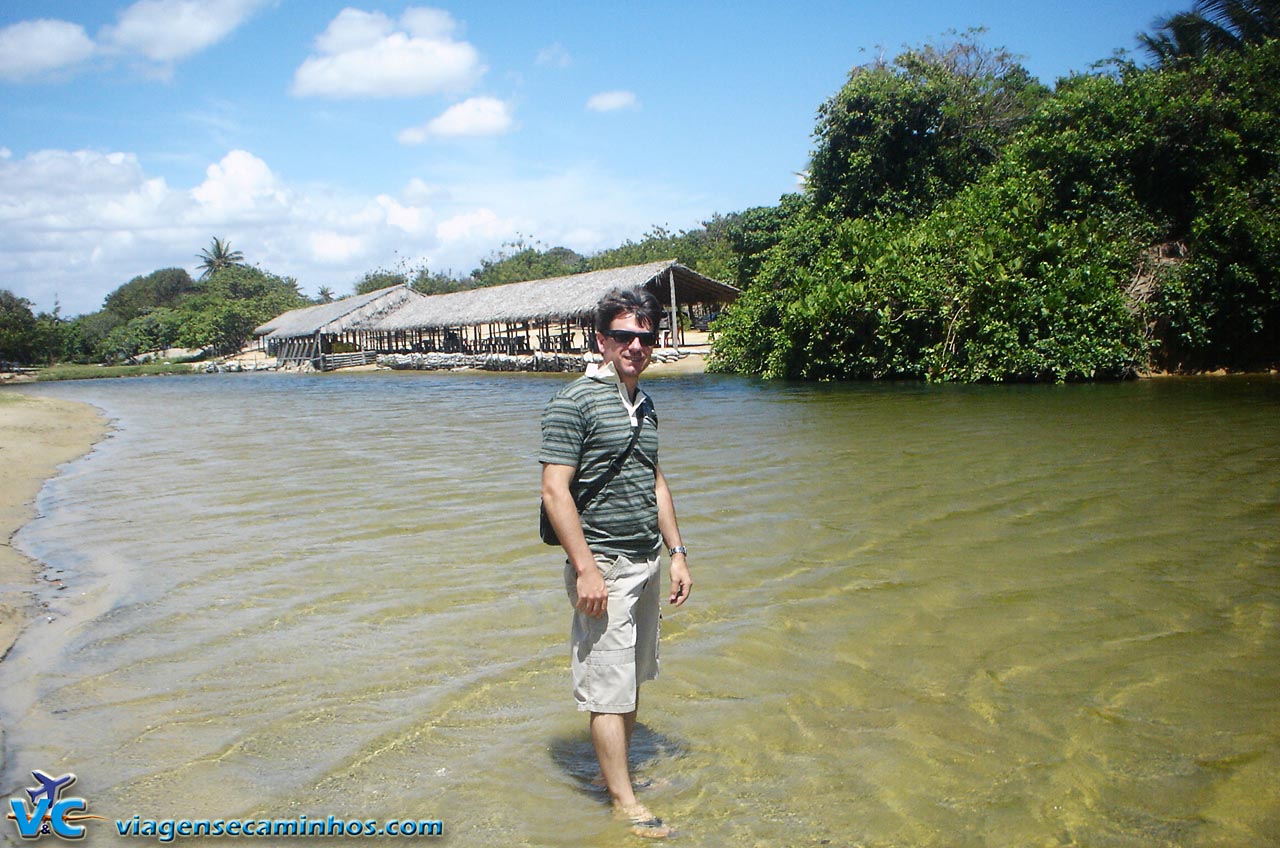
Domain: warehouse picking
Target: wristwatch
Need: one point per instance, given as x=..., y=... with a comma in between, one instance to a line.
x=678, y=549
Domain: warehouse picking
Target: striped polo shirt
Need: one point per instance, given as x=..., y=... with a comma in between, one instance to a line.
x=585, y=426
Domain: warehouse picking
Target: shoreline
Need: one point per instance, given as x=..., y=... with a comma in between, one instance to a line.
x=38, y=435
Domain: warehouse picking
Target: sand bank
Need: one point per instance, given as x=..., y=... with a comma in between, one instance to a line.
x=36, y=436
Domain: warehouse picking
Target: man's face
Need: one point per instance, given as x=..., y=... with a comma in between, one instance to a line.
x=628, y=359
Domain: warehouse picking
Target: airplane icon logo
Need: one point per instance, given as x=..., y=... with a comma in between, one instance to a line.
x=48, y=812
x=49, y=787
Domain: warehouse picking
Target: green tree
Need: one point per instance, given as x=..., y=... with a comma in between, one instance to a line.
x=380, y=279
x=218, y=256
x=85, y=334
x=1212, y=26
x=19, y=333
x=707, y=249
x=1032, y=271
x=520, y=260
x=51, y=335
x=902, y=135
x=428, y=282
x=222, y=315
x=753, y=232
x=162, y=288
x=1196, y=146
x=325, y=295
x=156, y=330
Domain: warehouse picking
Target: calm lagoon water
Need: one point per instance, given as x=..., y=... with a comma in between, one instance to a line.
x=923, y=616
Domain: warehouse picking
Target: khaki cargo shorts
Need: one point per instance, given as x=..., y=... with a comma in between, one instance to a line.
x=612, y=655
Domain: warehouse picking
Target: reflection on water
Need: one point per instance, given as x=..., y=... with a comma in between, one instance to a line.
x=924, y=616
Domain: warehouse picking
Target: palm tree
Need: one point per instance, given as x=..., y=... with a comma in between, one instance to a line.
x=1212, y=26
x=218, y=256
x=326, y=294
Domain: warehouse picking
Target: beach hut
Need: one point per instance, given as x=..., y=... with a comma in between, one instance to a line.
x=552, y=315
x=332, y=335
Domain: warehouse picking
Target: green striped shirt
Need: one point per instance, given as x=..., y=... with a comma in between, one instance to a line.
x=586, y=426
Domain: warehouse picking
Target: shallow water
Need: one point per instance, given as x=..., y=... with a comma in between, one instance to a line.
x=923, y=616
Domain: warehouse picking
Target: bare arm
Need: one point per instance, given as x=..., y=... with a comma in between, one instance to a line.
x=593, y=596
x=681, y=582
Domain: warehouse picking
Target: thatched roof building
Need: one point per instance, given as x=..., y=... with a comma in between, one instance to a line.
x=309, y=333
x=559, y=310
x=338, y=316
x=552, y=315
x=573, y=296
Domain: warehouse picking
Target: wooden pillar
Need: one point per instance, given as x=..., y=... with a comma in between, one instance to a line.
x=675, y=326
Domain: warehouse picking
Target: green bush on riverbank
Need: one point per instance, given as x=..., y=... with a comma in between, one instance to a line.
x=1046, y=265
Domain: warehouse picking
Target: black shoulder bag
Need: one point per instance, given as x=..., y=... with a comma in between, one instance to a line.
x=545, y=530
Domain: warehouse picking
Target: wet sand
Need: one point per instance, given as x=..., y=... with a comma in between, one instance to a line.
x=36, y=436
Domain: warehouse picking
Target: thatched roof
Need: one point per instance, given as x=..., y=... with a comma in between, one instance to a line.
x=350, y=313
x=559, y=297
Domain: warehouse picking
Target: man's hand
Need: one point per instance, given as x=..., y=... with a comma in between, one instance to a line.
x=593, y=595
x=681, y=582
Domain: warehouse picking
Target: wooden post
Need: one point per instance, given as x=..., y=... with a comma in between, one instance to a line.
x=675, y=327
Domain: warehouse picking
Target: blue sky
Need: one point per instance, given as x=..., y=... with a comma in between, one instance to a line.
x=325, y=140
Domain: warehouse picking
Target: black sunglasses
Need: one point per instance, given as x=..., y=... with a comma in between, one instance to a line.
x=625, y=337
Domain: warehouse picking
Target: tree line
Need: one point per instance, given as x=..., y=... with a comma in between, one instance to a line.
x=959, y=221
x=215, y=313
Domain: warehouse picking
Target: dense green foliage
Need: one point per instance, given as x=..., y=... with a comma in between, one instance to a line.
x=18, y=329
x=707, y=249
x=519, y=260
x=221, y=315
x=163, y=309
x=163, y=288
x=1212, y=26
x=420, y=279
x=900, y=136
x=1031, y=268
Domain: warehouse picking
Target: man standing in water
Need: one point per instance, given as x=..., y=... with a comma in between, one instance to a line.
x=613, y=543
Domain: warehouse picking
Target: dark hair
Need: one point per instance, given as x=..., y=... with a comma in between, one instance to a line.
x=639, y=302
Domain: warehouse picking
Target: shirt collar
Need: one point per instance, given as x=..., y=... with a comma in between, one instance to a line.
x=606, y=373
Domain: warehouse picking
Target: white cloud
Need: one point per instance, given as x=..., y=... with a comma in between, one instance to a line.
x=612, y=101
x=240, y=183
x=71, y=217
x=423, y=22
x=554, y=56
x=413, y=220
x=475, y=116
x=31, y=48
x=78, y=224
x=363, y=54
x=353, y=30
x=418, y=190
x=480, y=225
x=332, y=248
x=168, y=30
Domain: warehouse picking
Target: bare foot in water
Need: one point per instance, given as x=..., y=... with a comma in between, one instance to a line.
x=637, y=784
x=642, y=822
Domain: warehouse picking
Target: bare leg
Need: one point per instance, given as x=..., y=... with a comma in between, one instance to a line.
x=629, y=720
x=611, y=735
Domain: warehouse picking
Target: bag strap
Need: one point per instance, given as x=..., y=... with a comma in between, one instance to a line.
x=616, y=466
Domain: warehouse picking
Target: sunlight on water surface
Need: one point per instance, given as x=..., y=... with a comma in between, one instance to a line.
x=923, y=616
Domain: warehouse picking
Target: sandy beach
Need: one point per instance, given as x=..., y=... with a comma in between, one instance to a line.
x=36, y=436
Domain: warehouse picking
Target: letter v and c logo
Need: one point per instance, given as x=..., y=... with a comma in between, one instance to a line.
x=31, y=821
